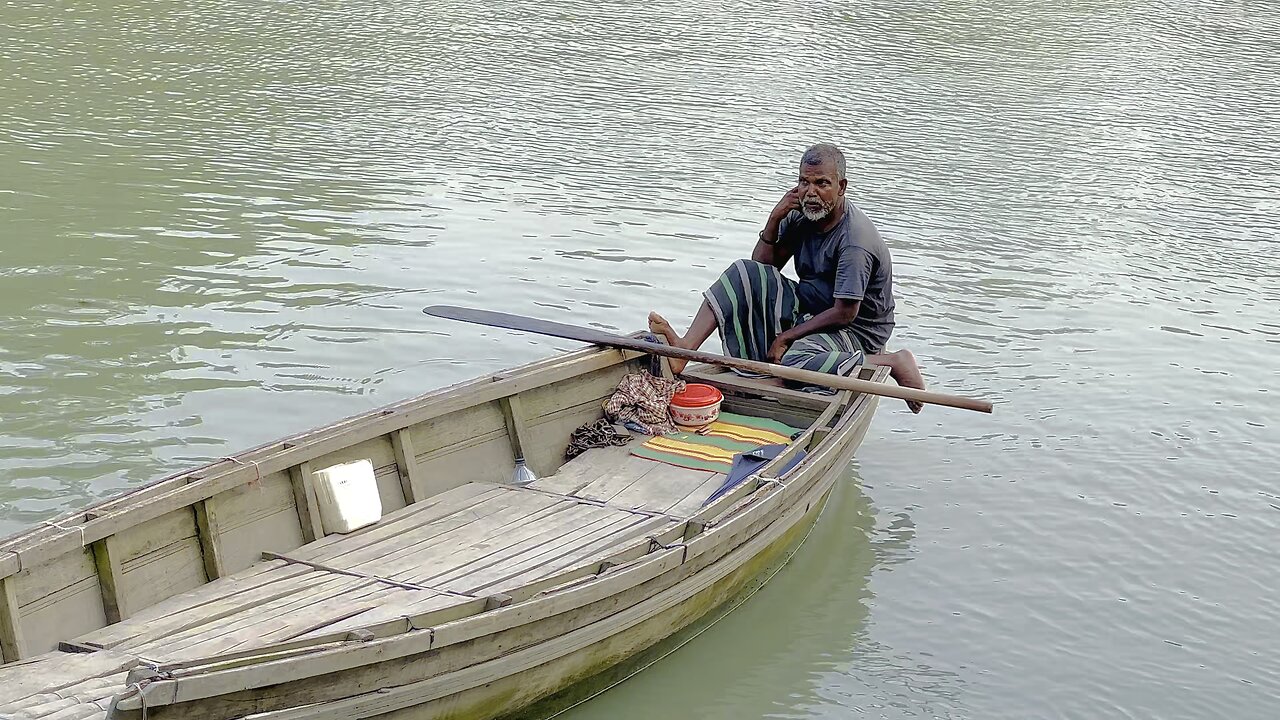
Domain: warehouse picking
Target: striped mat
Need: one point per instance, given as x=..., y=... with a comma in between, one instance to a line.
x=714, y=451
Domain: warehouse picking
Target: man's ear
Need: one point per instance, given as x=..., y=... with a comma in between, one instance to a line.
x=844, y=183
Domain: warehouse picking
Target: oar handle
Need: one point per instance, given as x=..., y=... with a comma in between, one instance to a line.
x=810, y=377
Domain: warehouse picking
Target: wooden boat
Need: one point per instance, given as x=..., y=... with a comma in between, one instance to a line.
x=216, y=593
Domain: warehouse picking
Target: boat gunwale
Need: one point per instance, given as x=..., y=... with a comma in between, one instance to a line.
x=79, y=529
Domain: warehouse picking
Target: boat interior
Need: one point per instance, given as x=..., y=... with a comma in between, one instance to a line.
x=232, y=560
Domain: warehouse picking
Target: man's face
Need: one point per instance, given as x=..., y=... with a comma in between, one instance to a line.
x=820, y=190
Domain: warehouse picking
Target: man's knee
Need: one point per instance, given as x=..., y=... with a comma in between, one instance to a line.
x=742, y=271
x=746, y=264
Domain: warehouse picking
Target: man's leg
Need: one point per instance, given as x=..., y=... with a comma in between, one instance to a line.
x=750, y=303
x=704, y=323
x=837, y=353
x=903, y=369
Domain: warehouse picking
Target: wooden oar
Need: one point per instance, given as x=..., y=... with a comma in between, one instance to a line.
x=598, y=337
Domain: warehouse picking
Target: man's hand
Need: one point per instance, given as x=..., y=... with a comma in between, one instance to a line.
x=779, y=348
x=789, y=202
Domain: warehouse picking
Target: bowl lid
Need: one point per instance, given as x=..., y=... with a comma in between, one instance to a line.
x=697, y=395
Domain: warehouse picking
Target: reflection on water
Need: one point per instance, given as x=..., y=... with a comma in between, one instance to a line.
x=220, y=223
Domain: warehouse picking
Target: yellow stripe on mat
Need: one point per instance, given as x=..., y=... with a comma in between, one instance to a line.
x=702, y=452
x=746, y=434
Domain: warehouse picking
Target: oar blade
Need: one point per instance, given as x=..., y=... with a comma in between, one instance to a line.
x=523, y=323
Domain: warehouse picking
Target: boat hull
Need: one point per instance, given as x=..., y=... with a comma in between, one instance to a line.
x=660, y=617
x=532, y=592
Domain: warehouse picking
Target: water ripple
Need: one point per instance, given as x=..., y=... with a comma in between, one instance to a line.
x=221, y=221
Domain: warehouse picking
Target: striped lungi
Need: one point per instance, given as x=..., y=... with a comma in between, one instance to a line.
x=755, y=302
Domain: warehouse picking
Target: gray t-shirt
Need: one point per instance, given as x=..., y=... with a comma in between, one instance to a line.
x=850, y=262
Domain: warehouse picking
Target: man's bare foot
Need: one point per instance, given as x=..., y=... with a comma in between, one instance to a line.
x=659, y=326
x=906, y=371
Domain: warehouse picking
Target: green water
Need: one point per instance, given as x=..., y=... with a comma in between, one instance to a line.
x=219, y=223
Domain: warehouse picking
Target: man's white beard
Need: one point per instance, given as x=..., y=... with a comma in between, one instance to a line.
x=815, y=215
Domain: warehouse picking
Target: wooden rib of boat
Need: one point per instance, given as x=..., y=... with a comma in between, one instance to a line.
x=215, y=593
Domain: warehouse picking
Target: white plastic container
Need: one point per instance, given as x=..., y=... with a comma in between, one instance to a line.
x=348, y=496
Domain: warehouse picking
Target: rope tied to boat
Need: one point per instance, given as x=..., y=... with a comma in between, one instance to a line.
x=158, y=672
x=684, y=548
x=257, y=469
x=142, y=697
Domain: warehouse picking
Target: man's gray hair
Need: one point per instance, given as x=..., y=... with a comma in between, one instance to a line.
x=823, y=153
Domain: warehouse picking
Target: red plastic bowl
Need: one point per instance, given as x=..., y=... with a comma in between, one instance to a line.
x=696, y=406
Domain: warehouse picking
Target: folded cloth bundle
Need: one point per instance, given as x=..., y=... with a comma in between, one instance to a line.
x=642, y=402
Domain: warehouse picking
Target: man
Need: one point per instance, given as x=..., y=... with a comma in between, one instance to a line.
x=838, y=317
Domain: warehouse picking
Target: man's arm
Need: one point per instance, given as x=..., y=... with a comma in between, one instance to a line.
x=768, y=250
x=840, y=315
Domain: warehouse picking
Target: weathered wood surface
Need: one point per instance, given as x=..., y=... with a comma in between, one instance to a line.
x=614, y=476
x=11, y=637
x=474, y=663
x=210, y=537
x=33, y=547
x=411, y=481
x=575, y=547
x=748, y=525
x=467, y=540
x=106, y=557
x=306, y=501
x=61, y=598
x=251, y=518
x=31, y=682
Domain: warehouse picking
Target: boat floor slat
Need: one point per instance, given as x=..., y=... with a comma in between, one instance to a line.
x=496, y=547
x=434, y=530
x=164, y=646
x=488, y=536
x=224, y=610
x=470, y=497
x=631, y=470
x=691, y=503
x=614, y=476
x=577, y=556
x=486, y=517
x=514, y=512
x=583, y=470
x=204, y=597
x=535, y=549
x=661, y=487
x=22, y=684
